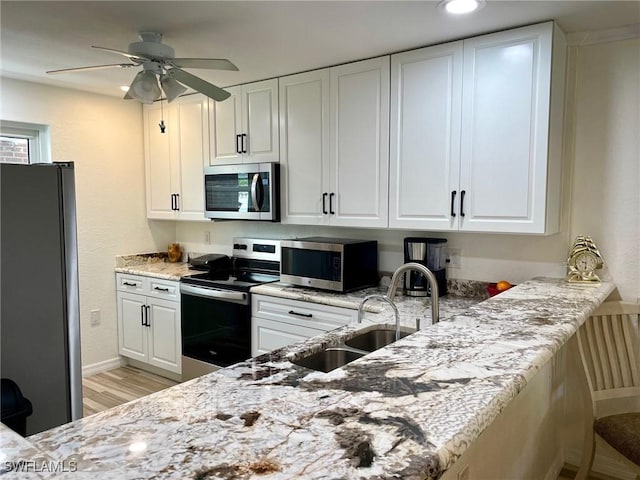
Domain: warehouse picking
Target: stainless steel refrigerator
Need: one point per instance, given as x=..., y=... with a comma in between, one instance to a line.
x=39, y=313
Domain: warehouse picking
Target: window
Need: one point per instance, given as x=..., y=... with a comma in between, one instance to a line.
x=24, y=143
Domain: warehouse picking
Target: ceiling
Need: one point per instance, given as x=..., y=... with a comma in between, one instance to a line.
x=263, y=38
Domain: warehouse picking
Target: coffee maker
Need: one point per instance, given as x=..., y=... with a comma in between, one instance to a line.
x=430, y=252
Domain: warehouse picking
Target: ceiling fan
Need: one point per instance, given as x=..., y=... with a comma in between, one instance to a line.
x=158, y=63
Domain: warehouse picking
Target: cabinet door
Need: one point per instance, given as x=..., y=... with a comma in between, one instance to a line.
x=268, y=335
x=132, y=335
x=360, y=143
x=165, y=350
x=426, y=98
x=225, y=124
x=192, y=153
x=304, y=141
x=505, y=128
x=260, y=122
x=157, y=162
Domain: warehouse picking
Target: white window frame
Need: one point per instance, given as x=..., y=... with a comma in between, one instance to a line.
x=38, y=135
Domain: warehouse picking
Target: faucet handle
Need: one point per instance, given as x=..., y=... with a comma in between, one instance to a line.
x=417, y=323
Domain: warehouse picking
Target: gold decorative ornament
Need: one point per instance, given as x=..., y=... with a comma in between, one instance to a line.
x=584, y=259
x=174, y=253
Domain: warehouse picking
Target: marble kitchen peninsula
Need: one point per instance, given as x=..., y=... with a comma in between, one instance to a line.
x=409, y=410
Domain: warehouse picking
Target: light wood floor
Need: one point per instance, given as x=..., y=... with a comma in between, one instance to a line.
x=121, y=385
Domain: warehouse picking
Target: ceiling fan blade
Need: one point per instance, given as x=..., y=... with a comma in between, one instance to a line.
x=93, y=67
x=199, y=84
x=120, y=52
x=210, y=63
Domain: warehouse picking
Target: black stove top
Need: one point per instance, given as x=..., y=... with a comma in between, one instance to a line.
x=239, y=281
x=254, y=262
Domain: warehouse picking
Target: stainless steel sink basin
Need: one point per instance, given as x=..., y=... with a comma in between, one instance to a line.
x=375, y=339
x=329, y=359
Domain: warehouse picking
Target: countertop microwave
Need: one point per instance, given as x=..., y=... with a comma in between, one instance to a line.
x=248, y=191
x=336, y=264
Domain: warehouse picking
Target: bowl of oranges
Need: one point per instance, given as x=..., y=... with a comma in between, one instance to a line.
x=495, y=288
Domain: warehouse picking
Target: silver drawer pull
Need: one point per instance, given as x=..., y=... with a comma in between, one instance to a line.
x=307, y=315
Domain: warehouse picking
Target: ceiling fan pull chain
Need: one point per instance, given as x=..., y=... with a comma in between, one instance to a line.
x=162, y=126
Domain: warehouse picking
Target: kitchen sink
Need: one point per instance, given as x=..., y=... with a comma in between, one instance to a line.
x=328, y=359
x=375, y=339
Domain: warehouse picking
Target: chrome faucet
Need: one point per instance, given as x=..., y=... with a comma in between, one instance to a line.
x=384, y=298
x=431, y=278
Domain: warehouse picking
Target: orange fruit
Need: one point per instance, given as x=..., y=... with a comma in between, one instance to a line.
x=503, y=285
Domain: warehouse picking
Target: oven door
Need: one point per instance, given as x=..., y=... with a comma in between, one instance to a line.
x=216, y=329
x=242, y=192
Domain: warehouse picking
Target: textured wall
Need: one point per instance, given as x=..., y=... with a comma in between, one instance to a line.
x=606, y=173
x=103, y=136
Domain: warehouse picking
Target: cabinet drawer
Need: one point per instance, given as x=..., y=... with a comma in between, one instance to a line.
x=305, y=314
x=164, y=289
x=270, y=335
x=130, y=283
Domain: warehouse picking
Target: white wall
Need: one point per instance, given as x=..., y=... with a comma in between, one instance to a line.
x=606, y=195
x=103, y=136
x=606, y=172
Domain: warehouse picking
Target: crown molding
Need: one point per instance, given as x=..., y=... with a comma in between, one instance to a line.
x=579, y=39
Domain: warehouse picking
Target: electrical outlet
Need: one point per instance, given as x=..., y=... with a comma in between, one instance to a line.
x=95, y=318
x=454, y=257
x=207, y=237
x=464, y=473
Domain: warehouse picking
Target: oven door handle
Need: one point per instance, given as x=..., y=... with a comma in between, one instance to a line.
x=229, y=296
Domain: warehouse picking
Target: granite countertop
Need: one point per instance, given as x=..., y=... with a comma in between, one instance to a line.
x=152, y=265
x=407, y=411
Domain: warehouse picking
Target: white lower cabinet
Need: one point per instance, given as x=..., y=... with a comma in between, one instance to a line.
x=149, y=321
x=278, y=322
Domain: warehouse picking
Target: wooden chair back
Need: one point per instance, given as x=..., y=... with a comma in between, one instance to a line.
x=608, y=344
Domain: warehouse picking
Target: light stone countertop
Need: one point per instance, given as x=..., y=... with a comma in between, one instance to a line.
x=408, y=410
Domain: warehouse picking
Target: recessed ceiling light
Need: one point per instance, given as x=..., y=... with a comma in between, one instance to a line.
x=124, y=88
x=458, y=7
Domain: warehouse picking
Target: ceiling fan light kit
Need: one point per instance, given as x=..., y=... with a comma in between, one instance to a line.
x=144, y=87
x=171, y=88
x=159, y=64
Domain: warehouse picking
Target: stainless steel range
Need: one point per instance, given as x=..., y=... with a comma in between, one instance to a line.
x=216, y=305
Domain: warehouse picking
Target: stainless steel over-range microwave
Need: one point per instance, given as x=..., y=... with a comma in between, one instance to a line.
x=336, y=264
x=249, y=191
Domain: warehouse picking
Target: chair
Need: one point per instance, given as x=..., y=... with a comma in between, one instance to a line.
x=610, y=360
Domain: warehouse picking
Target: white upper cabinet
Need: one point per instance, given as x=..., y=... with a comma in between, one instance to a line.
x=304, y=146
x=426, y=104
x=359, y=160
x=175, y=159
x=244, y=127
x=476, y=133
x=506, y=159
x=334, y=145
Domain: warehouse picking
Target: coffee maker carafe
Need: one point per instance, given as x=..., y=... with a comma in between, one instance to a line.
x=430, y=252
